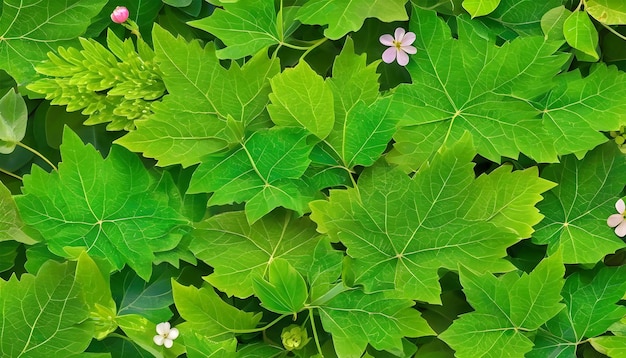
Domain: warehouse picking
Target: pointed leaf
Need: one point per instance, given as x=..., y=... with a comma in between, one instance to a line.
x=10, y=223
x=13, y=119
x=285, y=292
x=581, y=34
x=552, y=23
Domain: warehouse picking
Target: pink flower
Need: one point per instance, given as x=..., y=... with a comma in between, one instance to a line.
x=398, y=46
x=618, y=221
x=120, y=14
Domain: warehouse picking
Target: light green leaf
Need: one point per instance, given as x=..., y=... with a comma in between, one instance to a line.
x=207, y=315
x=10, y=223
x=238, y=251
x=505, y=307
x=610, y=12
x=191, y=122
x=577, y=209
x=355, y=319
x=245, y=26
x=200, y=347
x=264, y=171
x=31, y=28
x=552, y=23
x=113, y=207
x=324, y=272
x=44, y=315
x=285, y=291
x=141, y=331
x=13, y=119
x=581, y=34
x=301, y=98
x=591, y=299
x=612, y=346
x=478, y=8
x=470, y=84
x=399, y=230
x=523, y=16
x=344, y=16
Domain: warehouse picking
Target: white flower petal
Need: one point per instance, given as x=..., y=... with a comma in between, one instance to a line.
x=399, y=34
x=408, y=39
x=158, y=340
x=403, y=58
x=390, y=54
x=614, y=220
x=163, y=328
x=409, y=49
x=173, y=333
x=620, y=230
x=168, y=343
x=620, y=206
x=386, y=40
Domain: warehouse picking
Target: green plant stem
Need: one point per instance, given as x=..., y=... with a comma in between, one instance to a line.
x=20, y=144
x=316, y=44
x=613, y=31
x=317, y=340
x=10, y=174
x=260, y=329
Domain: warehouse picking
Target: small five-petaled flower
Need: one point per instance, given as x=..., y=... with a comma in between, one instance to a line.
x=166, y=335
x=618, y=221
x=399, y=46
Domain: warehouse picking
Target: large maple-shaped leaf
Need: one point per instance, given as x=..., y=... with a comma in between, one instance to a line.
x=399, y=230
x=191, y=121
x=505, y=308
x=44, y=315
x=470, y=84
x=343, y=16
x=31, y=28
x=238, y=251
x=381, y=319
x=263, y=171
x=576, y=210
x=590, y=298
x=114, y=207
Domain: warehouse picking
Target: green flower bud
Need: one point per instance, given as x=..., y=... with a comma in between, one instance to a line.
x=294, y=337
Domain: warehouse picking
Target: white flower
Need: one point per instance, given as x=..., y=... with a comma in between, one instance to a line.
x=166, y=335
x=618, y=221
x=399, y=46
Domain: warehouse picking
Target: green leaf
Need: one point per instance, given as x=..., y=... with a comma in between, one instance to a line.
x=577, y=209
x=285, y=292
x=324, y=271
x=140, y=331
x=591, y=299
x=478, y=8
x=31, y=28
x=206, y=314
x=10, y=223
x=581, y=34
x=610, y=12
x=612, y=346
x=301, y=98
x=344, y=16
x=44, y=315
x=245, y=26
x=470, y=84
x=264, y=171
x=190, y=122
x=13, y=119
x=113, y=207
x=199, y=347
x=552, y=23
x=523, y=16
x=399, y=230
x=505, y=307
x=355, y=319
x=238, y=251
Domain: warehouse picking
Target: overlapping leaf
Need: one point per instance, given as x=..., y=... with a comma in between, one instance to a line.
x=10, y=223
x=523, y=16
x=31, y=28
x=576, y=210
x=505, y=308
x=399, y=231
x=344, y=16
x=113, y=207
x=44, y=315
x=284, y=291
x=590, y=298
x=191, y=122
x=238, y=251
x=13, y=119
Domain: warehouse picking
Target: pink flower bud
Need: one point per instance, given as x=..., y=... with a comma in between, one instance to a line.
x=120, y=14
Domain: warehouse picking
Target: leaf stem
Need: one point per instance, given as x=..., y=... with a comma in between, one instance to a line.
x=260, y=329
x=317, y=340
x=613, y=31
x=20, y=144
x=313, y=46
x=10, y=174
